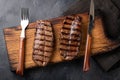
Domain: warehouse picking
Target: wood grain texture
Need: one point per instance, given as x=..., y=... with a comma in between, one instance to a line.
x=100, y=42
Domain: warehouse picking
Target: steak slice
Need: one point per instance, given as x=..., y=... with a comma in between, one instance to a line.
x=70, y=37
x=43, y=43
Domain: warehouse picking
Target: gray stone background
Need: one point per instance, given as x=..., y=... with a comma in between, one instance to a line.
x=45, y=9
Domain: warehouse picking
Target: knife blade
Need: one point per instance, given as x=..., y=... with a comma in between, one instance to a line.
x=86, y=65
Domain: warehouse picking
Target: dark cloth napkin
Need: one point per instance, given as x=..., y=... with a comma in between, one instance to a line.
x=111, y=19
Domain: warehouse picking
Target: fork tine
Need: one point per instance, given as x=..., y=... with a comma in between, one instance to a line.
x=27, y=13
x=24, y=13
x=21, y=13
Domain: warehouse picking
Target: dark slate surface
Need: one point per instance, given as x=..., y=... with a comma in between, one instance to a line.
x=45, y=9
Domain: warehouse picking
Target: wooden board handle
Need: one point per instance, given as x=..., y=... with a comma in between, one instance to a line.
x=20, y=67
x=86, y=65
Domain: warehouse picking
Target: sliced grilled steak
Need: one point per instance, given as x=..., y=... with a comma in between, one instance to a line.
x=70, y=37
x=43, y=43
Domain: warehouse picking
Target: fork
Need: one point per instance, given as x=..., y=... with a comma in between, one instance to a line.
x=24, y=24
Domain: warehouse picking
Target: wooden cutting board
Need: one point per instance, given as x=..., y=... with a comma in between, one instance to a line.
x=100, y=42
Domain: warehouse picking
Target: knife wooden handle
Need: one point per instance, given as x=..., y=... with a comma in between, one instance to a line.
x=86, y=65
x=20, y=67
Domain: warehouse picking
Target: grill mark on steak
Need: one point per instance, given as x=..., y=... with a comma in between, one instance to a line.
x=70, y=50
x=70, y=37
x=68, y=28
x=70, y=17
x=48, y=34
x=46, y=54
x=43, y=43
x=68, y=34
x=65, y=38
x=41, y=58
x=43, y=40
x=42, y=55
x=47, y=45
x=40, y=29
x=41, y=49
x=72, y=44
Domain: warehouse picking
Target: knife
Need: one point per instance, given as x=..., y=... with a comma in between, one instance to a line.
x=86, y=65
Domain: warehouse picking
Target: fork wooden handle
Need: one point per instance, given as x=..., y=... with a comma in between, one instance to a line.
x=86, y=65
x=20, y=67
